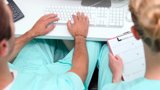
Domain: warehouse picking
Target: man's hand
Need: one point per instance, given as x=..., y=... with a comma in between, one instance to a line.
x=80, y=25
x=44, y=25
x=116, y=66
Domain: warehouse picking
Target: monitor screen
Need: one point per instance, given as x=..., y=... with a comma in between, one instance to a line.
x=104, y=3
x=119, y=3
x=96, y=3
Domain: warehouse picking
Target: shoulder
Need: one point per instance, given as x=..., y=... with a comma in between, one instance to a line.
x=67, y=81
x=138, y=84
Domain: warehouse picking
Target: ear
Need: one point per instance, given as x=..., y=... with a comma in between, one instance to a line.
x=135, y=33
x=3, y=48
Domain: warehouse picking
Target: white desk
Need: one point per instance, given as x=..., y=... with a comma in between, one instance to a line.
x=34, y=9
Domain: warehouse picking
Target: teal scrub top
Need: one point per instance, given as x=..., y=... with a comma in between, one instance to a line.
x=139, y=84
x=44, y=65
x=46, y=81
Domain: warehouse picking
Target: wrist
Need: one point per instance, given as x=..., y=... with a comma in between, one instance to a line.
x=80, y=37
x=116, y=78
x=30, y=35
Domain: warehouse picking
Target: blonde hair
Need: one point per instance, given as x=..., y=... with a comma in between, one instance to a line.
x=146, y=16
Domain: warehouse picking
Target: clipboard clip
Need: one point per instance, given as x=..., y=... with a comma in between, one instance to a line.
x=124, y=36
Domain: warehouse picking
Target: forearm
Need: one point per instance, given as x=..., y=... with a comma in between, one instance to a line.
x=80, y=58
x=20, y=43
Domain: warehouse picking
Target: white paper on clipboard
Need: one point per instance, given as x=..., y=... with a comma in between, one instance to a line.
x=132, y=53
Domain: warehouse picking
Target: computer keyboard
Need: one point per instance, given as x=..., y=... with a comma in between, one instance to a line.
x=99, y=17
x=17, y=13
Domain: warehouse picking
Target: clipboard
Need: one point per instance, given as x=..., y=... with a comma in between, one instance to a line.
x=132, y=53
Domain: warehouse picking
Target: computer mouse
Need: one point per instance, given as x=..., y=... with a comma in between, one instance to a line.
x=128, y=17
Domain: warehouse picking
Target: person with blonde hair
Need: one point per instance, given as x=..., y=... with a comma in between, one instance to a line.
x=146, y=18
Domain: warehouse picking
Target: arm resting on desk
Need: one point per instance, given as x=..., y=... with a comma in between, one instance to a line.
x=42, y=27
x=79, y=31
x=80, y=58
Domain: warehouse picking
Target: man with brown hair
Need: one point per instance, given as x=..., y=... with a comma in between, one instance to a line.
x=34, y=66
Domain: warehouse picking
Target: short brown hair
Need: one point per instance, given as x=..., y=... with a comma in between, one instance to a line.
x=5, y=29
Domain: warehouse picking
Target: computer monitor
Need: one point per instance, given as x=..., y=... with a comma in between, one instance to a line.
x=103, y=3
x=119, y=3
x=96, y=3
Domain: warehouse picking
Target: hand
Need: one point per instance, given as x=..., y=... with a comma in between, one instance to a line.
x=44, y=25
x=80, y=25
x=116, y=66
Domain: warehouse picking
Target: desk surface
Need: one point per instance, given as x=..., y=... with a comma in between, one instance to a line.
x=34, y=9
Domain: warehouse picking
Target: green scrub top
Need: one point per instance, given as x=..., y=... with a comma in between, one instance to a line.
x=44, y=65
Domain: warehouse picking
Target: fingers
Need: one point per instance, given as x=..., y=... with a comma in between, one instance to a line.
x=51, y=20
x=69, y=26
x=114, y=57
x=75, y=18
x=49, y=25
x=118, y=57
x=49, y=16
x=111, y=56
x=80, y=17
x=83, y=17
x=86, y=20
x=50, y=28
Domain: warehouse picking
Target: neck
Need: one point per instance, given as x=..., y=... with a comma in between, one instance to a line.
x=152, y=64
x=5, y=75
